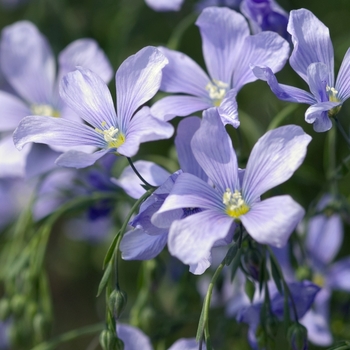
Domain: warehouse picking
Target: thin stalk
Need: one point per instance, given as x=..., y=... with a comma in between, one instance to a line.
x=138, y=174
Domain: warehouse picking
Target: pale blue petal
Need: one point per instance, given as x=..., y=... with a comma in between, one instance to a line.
x=143, y=127
x=12, y=161
x=338, y=276
x=183, y=75
x=164, y=5
x=137, y=81
x=228, y=109
x=273, y=160
x=85, y=53
x=130, y=182
x=272, y=220
x=283, y=92
x=55, y=132
x=27, y=62
x=317, y=74
x=263, y=49
x=223, y=32
x=342, y=84
x=133, y=338
x=88, y=95
x=186, y=344
x=312, y=43
x=191, y=239
x=138, y=245
x=189, y=191
x=200, y=267
x=12, y=110
x=185, y=131
x=324, y=237
x=77, y=159
x=213, y=150
x=178, y=106
x=317, y=115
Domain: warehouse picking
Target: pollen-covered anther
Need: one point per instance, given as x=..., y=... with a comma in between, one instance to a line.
x=235, y=204
x=217, y=91
x=45, y=110
x=112, y=136
x=333, y=97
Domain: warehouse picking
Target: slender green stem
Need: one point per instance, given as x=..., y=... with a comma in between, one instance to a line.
x=281, y=116
x=138, y=174
x=342, y=131
x=66, y=337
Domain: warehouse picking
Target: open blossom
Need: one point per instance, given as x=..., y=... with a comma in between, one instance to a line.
x=313, y=59
x=234, y=196
x=137, y=81
x=229, y=50
x=28, y=64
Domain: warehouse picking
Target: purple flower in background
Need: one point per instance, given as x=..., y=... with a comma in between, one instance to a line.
x=229, y=51
x=313, y=59
x=137, y=80
x=232, y=4
x=135, y=339
x=164, y=5
x=233, y=198
x=29, y=67
x=265, y=15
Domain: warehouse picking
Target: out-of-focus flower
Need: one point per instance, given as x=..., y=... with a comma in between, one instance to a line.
x=28, y=65
x=137, y=80
x=313, y=60
x=232, y=198
x=164, y=5
x=229, y=51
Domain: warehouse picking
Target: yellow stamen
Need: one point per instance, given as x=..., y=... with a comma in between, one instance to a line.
x=235, y=204
x=112, y=136
x=217, y=91
x=333, y=97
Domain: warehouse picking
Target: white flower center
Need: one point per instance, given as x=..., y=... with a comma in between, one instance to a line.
x=112, y=136
x=333, y=97
x=45, y=110
x=235, y=204
x=217, y=91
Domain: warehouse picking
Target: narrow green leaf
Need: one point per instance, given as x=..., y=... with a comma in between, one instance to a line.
x=262, y=273
x=110, y=251
x=276, y=276
x=236, y=263
x=231, y=254
x=201, y=325
x=249, y=289
x=104, y=279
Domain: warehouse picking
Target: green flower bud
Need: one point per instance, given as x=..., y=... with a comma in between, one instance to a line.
x=116, y=302
x=109, y=341
x=297, y=337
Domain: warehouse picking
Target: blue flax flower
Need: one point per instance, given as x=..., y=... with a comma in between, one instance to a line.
x=233, y=197
x=29, y=67
x=137, y=80
x=228, y=50
x=313, y=59
x=164, y=5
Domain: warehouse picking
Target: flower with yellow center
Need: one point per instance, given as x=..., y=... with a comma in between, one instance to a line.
x=112, y=136
x=45, y=110
x=217, y=91
x=235, y=204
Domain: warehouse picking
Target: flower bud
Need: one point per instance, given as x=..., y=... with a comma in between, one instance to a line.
x=116, y=302
x=109, y=341
x=297, y=337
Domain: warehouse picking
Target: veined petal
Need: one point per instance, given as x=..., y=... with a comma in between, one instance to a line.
x=56, y=132
x=27, y=62
x=133, y=338
x=272, y=220
x=138, y=245
x=143, y=127
x=338, y=276
x=324, y=237
x=223, y=32
x=78, y=159
x=189, y=191
x=192, y=238
x=170, y=107
x=137, y=81
x=85, y=53
x=12, y=110
x=283, y=92
x=263, y=49
x=88, y=95
x=312, y=43
x=317, y=115
x=185, y=131
x=12, y=162
x=342, y=84
x=317, y=75
x=130, y=182
x=273, y=160
x=183, y=75
x=200, y=267
x=214, y=152
x=228, y=109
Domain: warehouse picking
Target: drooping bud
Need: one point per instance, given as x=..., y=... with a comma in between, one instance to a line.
x=109, y=341
x=297, y=337
x=116, y=302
